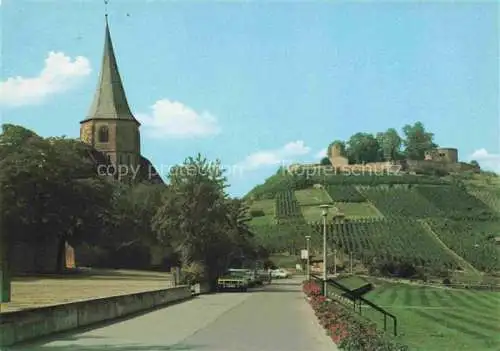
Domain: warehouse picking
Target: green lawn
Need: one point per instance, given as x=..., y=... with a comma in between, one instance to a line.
x=262, y=220
x=434, y=319
x=351, y=210
x=358, y=210
x=312, y=197
x=267, y=206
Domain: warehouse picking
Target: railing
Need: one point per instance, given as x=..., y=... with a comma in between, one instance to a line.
x=349, y=294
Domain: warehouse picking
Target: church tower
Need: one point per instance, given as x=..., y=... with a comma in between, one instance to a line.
x=109, y=126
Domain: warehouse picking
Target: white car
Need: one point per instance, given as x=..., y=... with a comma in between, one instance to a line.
x=279, y=273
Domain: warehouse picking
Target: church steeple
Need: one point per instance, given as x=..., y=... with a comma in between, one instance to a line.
x=110, y=127
x=110, y=101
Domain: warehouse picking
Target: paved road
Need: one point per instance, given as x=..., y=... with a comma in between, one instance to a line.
x=273, y=318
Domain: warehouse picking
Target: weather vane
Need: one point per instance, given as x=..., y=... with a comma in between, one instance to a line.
x=106, y=8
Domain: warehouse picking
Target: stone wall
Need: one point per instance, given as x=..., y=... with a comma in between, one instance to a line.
x=447, y=155
x=19, y=326
x=416, y=165
x=388, y=167
x=338, y=161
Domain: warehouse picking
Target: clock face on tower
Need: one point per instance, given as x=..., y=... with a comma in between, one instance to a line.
x=86, y=133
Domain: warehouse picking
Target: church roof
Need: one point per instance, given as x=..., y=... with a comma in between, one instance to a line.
x=147, y=173
x=110, y=101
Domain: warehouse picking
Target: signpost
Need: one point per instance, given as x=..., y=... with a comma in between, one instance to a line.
x=308, y=257
x=304, y=254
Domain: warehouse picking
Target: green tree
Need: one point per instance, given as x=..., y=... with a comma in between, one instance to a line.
x=363, y=148
x=325, y=161
x=390, y=144
x=51, y=192
x=340, y=144
x=474, y=163
x=417, y=141
x=134, y=207
x=193, y=214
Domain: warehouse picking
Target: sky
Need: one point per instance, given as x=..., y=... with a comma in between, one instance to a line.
x=259, y=83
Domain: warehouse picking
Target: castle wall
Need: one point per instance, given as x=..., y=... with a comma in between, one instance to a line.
x=338, y=161
x=387, y=167
x=447, y=155
x=414, y=165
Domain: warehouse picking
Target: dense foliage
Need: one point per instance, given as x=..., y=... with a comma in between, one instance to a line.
x=199, y=221
x=52, y=194
x=387, y=146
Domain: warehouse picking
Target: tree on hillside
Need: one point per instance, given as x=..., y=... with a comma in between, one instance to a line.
x=340, y=144
x=390, y=144
x=417, y=141
x=325, y=161
x=363, y=148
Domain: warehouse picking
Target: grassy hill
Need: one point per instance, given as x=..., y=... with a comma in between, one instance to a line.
x=425, y=228
x=433, y=224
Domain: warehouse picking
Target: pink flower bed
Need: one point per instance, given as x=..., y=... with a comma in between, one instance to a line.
x=344, y=327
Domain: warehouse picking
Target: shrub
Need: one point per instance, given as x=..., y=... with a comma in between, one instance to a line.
x=257, y=213
x=192, y=273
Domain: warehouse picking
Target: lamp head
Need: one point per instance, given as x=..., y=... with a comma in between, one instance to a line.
x=324, y=208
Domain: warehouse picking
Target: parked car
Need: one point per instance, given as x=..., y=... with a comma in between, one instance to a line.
x=264, y=276
x=280, y=273
x=250, y=274
x=233, y=281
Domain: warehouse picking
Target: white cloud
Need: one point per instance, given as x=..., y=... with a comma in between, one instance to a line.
x=283, y=155
x=321, y=153
x=59, y=74
x=486, y=160
x=176, y=120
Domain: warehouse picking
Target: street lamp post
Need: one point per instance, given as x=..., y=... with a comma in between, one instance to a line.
x=5, y=285
x=324, y=213
x=308, y=272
